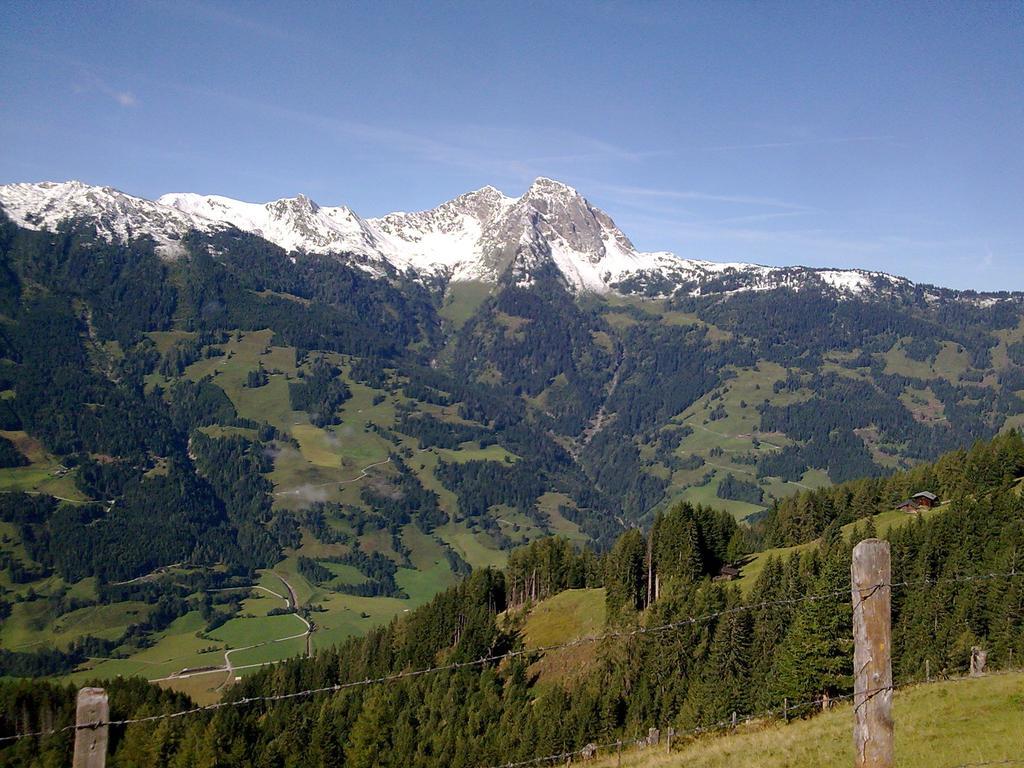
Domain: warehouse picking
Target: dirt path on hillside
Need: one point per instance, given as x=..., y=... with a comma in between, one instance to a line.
x=362, y=475
x=228, y=669
x=294, y=603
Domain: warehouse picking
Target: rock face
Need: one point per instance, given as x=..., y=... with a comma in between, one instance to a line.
x=482, y=235
x=116, y=216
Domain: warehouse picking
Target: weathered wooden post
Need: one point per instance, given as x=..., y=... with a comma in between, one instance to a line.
x=871, y=577
x=785, y=709
x=618, y=753
x=927, y=670
x=91, y=717
x=979, y=658
x=669, y=735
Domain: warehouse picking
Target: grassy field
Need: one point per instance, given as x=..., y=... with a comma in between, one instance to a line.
x=30, y=626
x=732, y=434
x=560, y=526
x=476, y=549
x=569, y=615
x=566, y=616
x=884, y=522
x=707, y=495
x=43, y=474
x=178, y=647
x=462, y=300
x=964, y=722
x=950, y=363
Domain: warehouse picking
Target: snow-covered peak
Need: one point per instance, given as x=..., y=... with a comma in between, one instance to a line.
x=542, y=186
x=115, y=215
x=295, y=223
x=480, y=235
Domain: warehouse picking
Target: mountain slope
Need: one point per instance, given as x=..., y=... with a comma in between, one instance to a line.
x=482, y=235
x=114, y=215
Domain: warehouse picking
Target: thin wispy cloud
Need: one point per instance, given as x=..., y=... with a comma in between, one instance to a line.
x=988, y=260
x=756, y=217
x=646, y=193
x=88, y=82
x=818, y=238
x=217, y=15
x=490, y=149
x=799, y=143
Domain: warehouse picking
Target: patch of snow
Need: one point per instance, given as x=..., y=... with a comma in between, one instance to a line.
x=851, y=281
x=114, y=214
x=476, y=236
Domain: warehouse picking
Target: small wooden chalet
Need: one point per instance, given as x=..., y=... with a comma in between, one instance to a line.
x=917, y=502
x=727, y=573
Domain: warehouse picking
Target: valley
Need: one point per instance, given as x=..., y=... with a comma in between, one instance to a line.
x=483, y=385
x=238, y=458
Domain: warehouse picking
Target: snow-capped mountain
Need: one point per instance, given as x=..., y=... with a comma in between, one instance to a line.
x=481, y=235
x=115, y=215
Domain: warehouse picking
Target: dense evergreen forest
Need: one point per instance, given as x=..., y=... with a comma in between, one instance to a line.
x=696, y=673
x=381, y=442
x=602, y=399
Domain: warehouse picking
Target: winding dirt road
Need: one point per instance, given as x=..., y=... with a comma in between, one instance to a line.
x=228, y=669
x=362, y=474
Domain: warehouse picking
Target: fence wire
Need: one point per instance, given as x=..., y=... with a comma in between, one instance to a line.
x=730, y=723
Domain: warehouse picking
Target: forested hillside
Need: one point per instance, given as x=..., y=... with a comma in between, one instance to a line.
x=181, y=440
x=743, y=652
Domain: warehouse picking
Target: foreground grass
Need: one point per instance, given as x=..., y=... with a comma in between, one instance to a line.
x=937, y=726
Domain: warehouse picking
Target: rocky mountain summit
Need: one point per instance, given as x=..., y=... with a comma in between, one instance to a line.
x=482, y=235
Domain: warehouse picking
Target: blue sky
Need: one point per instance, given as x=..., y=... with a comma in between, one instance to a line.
x=875, y=135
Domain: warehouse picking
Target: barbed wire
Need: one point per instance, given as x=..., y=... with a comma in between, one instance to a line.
x=932, y=582
x=453, y=666
x=511, y=654
x=785, y=711
x=727, y=724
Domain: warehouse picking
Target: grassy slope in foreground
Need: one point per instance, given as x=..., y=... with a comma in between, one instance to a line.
x=937, y=726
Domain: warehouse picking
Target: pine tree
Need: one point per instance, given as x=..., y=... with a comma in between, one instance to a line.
x=625, y=576
x=369, y=741
x=815, y=657
x=770, y=625
x=723, y=684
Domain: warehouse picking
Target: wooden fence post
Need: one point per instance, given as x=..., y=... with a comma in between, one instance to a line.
x=871, y=577
x=91, y=740
x=618, y=753
x=979, y=658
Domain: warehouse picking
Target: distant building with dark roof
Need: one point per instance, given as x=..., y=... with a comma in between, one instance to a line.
x=917, y=502
x=727, y=573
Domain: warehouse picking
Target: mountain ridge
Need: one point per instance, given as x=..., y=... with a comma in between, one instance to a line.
x=482, y=235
